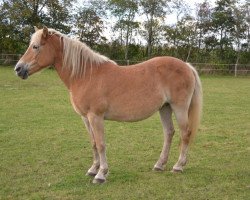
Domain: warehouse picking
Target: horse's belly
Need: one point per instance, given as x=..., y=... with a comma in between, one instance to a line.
x=133, y=110
x=128, y=117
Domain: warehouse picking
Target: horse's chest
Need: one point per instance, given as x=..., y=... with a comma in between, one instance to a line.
x=78, y=105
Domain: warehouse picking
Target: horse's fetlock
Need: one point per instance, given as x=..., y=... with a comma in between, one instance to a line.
x=101, y=147
x=171, y=132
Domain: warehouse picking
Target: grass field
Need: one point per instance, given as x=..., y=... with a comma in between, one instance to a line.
x=45, y=150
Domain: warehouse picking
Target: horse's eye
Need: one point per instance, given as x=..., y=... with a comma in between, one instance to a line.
x=35, y=47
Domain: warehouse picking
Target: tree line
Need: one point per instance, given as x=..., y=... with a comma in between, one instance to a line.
x=140, y=29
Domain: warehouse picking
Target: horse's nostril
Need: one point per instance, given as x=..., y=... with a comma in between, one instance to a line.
x=18, y=69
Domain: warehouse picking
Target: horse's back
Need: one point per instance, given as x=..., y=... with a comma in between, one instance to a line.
x=165, y=69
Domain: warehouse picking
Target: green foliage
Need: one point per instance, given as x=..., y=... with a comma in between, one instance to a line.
x=225, y=28
x=217, y=34
x=152, y=9
x=17, y=19
x=45, y=150
x=89, y=26
x=125, y=12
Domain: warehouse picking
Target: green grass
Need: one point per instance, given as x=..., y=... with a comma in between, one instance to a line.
x=45, y=150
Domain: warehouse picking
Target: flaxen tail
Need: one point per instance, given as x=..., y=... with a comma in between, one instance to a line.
x=195, y=109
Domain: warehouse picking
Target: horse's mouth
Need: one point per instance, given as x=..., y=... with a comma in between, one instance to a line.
x=25, y=75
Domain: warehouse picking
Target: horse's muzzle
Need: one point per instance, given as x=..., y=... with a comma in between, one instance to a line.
x=21, y=70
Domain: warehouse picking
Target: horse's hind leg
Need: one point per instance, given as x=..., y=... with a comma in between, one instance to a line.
x=168, y=130
x=182, y=120
x=93, y=170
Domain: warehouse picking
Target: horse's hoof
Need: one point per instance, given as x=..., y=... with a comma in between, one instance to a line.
x=99, y=181
x=158, y=169
x=177, y=170
x=91, y=174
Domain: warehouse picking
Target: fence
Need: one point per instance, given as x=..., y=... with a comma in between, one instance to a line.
x=233, y=69
x=9, y=59
x=202, y=68
x=208, y=68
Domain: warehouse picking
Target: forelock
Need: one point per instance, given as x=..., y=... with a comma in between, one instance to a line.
x=36, y=37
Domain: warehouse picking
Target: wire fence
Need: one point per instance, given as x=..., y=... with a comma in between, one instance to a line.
x=202, y=68
x=208, y=68
x=232, y=69
x=9, y=59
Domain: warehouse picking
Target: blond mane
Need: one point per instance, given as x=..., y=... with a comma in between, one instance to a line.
x=77, y=56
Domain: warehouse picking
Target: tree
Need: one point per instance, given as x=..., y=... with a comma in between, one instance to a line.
x=21, y=16
x=190, y=33
x=223, y=24
x=181, y=36
x=246, y=11
x=181, y=9
x=155, y=11
x=89, y=26
x=240, y=28
x=203, y=18
x=58, y=15
x=125, y=11
x=157, y=36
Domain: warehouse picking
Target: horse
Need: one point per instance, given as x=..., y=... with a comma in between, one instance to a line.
x=100, y=89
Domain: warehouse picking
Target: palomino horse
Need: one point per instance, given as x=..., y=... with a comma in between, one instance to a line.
x=100, y=89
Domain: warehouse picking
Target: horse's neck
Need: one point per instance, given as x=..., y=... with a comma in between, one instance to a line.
x=65, y=74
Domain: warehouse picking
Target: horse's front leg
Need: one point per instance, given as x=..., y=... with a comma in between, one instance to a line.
x=97, y=126
x=93, y=170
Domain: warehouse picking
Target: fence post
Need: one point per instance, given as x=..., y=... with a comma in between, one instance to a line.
x=127, y=62
x=235, y=70
x=236, y=66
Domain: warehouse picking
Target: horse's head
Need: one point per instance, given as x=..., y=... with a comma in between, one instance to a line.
x=39, y=54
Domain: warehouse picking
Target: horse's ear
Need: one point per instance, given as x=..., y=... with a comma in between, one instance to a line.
x=36, y=29
x=45, y=32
